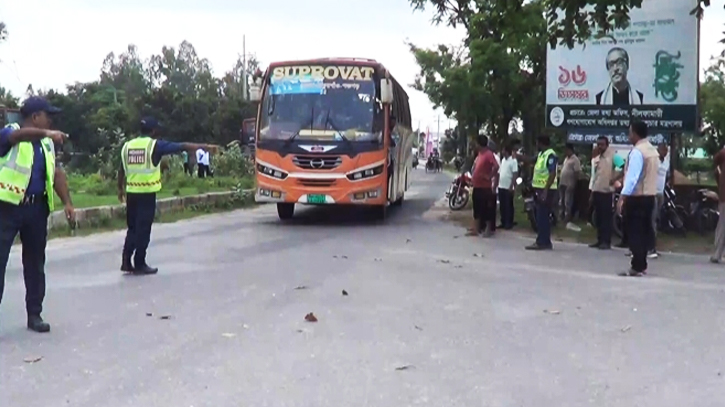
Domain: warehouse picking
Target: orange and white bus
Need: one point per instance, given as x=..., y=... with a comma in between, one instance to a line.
x=332, y=131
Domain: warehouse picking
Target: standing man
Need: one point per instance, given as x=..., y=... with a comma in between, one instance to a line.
x=29, y=174
x=662, y=173
x=187, y=164
x=570, y=173
x=506, y=186
x=483, y=196
x=202, y=162
x=638, y=196
x=603, y=193
x=719, y=173
x=544, y=183
x=139, y=180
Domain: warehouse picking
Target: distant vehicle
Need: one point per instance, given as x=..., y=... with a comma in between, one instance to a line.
x=8, y=115
x=332, y=131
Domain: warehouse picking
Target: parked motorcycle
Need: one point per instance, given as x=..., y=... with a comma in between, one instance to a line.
x=415, y=162
x=459, y=192
x=702, y=215
x=672, y=216
x=529, y=195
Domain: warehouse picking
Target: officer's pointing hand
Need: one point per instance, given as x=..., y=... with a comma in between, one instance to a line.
x=58, y=137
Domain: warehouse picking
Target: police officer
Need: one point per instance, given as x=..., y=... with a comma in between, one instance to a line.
x=28, y=176
x=544, y=184
x=139, y=180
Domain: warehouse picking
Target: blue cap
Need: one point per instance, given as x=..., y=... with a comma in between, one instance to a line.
x=149, y=123
x=37, y=104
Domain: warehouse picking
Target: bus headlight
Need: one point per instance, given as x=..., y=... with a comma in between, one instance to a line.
x=365, y=174
x=271, y=172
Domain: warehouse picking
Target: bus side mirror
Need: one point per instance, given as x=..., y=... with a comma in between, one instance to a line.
x=255, y=91
x=386, y=91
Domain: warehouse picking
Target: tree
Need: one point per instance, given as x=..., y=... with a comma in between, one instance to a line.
x=7, y=98
x=712, y=106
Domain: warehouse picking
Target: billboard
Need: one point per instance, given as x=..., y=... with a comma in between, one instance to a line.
x=646, y=72
x=615, y=137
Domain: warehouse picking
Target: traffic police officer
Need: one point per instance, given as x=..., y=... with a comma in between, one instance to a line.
x=28, y=176
x=139, y=180
x=544, y=184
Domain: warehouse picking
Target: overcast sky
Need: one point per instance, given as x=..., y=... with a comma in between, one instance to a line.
x=55, y=42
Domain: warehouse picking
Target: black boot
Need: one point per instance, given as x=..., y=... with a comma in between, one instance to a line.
x=126, y=265
x=145, y=269
x=36, y=323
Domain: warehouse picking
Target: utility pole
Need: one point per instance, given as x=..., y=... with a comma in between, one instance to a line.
x=244, y=67
x=438, y=140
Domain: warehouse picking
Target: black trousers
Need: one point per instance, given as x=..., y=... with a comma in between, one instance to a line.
x=187, y=168
x=603, y=216
x=639, y=223
x=484, y=208
x=506, y=207
x=140, y=212
x=30, y=221
x=203, y=170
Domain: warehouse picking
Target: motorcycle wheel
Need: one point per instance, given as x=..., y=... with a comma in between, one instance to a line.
x=676, y=223
x=458, y=200
x=706, y=220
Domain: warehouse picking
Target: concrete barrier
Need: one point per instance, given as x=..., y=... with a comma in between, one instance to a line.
x=93, y=216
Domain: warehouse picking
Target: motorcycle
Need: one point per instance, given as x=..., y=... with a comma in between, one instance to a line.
x=433, y=165
x=415, y=162
x=673, y=216
x=529, y=195
x=459, y=192
x=703, y=215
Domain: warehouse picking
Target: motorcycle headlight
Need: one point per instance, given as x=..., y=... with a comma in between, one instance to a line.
x=366, y=173
x=271, y=172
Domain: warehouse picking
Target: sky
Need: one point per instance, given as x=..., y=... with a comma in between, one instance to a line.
x=63, y=41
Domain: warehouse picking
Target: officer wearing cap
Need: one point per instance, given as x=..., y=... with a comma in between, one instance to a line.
x=139, y=180
x=28, y=176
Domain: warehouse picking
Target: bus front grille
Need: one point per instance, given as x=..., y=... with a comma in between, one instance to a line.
x=307, y=182
x=317, y=162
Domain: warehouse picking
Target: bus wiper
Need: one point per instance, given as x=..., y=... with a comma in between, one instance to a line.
x=335, y=128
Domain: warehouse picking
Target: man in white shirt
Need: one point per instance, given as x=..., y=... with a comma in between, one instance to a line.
x=662, y=174
x=508, y=170
x=202, y=161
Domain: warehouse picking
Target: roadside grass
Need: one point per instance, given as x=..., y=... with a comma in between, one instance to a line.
x=92, y=190
x=693, y=243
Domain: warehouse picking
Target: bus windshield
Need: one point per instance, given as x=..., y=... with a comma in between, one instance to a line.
x=323, y=103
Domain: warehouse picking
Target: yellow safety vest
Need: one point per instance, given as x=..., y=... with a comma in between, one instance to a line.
x=541, y=172
x=17, y=166
x=142, y=176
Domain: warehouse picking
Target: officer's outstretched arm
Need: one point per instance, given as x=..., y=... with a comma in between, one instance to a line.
x=28, y=134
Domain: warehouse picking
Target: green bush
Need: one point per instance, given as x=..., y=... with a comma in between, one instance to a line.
x=232, y=163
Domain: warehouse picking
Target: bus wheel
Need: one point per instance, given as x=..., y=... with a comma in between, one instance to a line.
x=285, y=210
x=399, y=201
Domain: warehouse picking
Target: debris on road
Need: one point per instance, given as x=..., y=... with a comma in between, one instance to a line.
x=477, y=254
x=245, y=326
x=229, y=335
x=406, y=367
x=408, y=240
x=626, y=328
x=344, y=292
x=456, y=236
x=310, y=317
x=340, y=257
x=378, y=259
x=301, y=287
x=552, y=312
x=149, y=314
x=458, y=266
x=443, y=261
x=418, y=328
x=165, y=317
x=33, y=359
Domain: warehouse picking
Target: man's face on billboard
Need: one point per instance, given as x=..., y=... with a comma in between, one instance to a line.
x=617, y=65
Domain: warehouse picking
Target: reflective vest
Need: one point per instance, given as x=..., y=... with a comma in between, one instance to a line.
x=541, y=172
x=16, y=167
x=142, y=176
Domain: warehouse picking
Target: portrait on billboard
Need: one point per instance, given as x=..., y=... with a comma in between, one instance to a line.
x=619, y=91
x=647, y=71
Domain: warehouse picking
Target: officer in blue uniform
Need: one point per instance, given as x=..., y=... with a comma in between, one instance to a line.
x=141, y=207
x=29, y=217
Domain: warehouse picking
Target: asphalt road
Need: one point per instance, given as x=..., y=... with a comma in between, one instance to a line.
x=426, y=321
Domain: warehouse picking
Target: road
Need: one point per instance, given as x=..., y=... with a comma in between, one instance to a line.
x=426, y=322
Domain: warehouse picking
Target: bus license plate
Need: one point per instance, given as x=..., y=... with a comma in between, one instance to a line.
x=316, y=199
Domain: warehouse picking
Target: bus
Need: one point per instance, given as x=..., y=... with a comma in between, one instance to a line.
x=8, y=116
x=331, y=131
